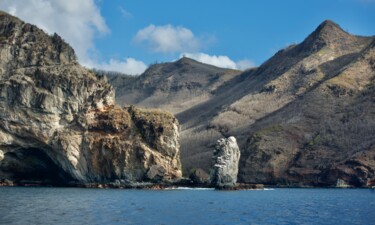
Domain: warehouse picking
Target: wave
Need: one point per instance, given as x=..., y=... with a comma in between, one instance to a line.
x=212, y=189
x=190, y=188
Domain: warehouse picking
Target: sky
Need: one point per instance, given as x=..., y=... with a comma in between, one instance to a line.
x=128, y=35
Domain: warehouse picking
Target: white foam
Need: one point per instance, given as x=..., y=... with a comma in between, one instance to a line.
x=212, y=189
x=268, y=189
x=189, y=188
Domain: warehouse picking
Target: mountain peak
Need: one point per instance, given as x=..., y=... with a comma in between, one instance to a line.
x=6, y=16
x=16, y=34
x=328, y=26
x=186, y=60
x=328, y=33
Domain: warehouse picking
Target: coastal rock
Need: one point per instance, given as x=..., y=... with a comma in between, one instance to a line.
x=226, y=159
x=156, y=173
x=59, y=123
x=199, y=176
x=342, y=184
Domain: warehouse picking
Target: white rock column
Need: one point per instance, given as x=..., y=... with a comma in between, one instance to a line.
x=226, y=159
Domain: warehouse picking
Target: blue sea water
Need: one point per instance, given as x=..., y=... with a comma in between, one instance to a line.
x=29, y=205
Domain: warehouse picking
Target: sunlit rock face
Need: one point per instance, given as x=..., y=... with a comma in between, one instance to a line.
x=226, y=159
x=59, y=123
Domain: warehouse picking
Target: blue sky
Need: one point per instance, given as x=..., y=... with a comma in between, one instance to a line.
x=128, y=35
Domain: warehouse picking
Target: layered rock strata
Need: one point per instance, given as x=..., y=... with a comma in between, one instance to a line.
x=59, y=123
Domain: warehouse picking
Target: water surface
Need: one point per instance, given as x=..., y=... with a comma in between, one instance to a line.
x=29, y=205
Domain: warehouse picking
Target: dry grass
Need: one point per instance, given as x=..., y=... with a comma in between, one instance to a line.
x=155, y=116
x=112, y=119
x=197, y=148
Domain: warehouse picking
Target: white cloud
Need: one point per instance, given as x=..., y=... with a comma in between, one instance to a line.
x=219, y=61
x=129, y=66
x=78, y=22
x=125, y=13
x=167, y=39
x=245, y=64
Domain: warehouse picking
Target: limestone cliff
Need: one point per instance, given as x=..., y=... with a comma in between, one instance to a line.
x=59, y=122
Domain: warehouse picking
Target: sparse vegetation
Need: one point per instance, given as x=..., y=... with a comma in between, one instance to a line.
x=270, y=129
x=112, y=119
x=155, y=116
x=309, y=107
x=102, y=73
x=3, y=38
x=192, y=153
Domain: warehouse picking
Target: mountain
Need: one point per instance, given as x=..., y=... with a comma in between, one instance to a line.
x=59, y=123
x=304, y=117
x=172, y=86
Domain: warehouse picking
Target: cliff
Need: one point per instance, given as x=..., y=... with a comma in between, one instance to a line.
x=59, y=123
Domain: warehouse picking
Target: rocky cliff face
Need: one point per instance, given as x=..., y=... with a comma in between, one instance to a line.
x=226, y=158
x=59, y=122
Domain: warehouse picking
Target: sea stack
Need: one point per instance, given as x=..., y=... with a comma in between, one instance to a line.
x=226, y=158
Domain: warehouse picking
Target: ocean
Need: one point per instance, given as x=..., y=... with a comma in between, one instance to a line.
x=40, y=205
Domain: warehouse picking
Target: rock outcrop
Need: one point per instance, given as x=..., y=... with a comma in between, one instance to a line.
x=226, y=159
x=59, y=123
x=199, y=177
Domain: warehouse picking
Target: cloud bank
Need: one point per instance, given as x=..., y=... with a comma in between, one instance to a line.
x=219, y=61
x=167, y=39
x=245, y=64
x=129, y=66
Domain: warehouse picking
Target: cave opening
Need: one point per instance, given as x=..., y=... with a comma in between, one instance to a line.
x=32, y=166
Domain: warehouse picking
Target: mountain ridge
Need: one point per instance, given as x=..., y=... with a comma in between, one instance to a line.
x=328, y=64
x=305, y=117
x=186, y=81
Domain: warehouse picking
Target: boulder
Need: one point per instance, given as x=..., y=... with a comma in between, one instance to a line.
x=156, y=173
x=342, y=184
x=226, y=159
x=199, y=177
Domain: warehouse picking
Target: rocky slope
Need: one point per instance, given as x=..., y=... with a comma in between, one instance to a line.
x=174, y=86
x=304, y=117
x=59, y=123
x=324, y=135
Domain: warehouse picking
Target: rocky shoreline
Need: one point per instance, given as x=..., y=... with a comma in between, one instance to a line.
x=164, y=186
x=134, y=185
